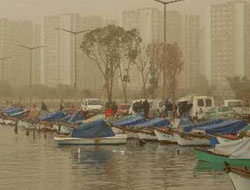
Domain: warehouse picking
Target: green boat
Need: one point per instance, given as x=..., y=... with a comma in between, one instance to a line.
x=209, y=156
x=203, y=166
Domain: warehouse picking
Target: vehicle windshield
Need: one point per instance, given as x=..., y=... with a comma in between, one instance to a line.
x=94, y=102
x=235, y=104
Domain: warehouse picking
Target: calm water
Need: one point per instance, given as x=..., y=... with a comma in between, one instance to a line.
x=37, y=163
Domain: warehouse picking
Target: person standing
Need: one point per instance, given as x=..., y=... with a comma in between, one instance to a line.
x=145, y=106
x=114, y=108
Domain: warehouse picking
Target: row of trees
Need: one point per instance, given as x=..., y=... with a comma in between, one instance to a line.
x=42, y=92
x=240, y=87
x=116, y=51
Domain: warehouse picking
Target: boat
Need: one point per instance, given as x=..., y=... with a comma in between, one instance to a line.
x=185, y=139
x=198, y=134
x=226, y=138
x=147, y=135
x=92, y=133
x=114, y=140
x=209, y=155
x=146, y=129
x=236, y=152
x=240, y=177
x=165, y=135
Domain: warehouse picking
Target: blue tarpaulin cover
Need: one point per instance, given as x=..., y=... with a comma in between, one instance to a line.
x=225, y=127
x=157, y=122
x=77, y=116
x=136, y=120
x=19, y=114
x=66, y=118
x=184, y=121
x=93, y=129
x=55, y=116
x=12, y=111
x=189, y=127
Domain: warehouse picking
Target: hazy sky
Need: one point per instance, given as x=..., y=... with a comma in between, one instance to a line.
x=36, y=9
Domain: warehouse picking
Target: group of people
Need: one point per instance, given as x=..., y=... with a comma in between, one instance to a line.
x=111, y=109
x=141, y=106
x=173, y=110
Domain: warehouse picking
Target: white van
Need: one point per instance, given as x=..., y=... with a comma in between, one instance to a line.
x=155, y=106
x=237, y=105
x=92, y=105
x=198, y=105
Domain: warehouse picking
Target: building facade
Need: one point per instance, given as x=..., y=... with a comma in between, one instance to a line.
x=185, y=30
x=59, y=57
x=17, y=67
x=229, y=43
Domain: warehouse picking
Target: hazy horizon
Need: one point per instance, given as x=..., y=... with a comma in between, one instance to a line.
x=36, y=9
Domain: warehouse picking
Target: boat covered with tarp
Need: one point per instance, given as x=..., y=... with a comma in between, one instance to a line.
x=95, y=132
x=235, y=152
x=200, y=134
x=240, y=177
x=130, y=121
x=52, y=117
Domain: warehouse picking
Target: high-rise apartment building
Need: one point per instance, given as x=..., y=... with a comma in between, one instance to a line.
x=59, y=57
x=185, y=30
x=230, y=37
x=16, y=69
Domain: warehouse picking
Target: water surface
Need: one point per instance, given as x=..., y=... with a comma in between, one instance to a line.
x=37, y=163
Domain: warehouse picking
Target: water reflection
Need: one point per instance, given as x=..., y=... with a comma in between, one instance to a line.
x=38, y=163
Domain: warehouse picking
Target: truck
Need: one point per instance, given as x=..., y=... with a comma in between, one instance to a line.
x=92, y=105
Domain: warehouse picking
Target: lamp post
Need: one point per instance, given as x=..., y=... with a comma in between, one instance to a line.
x=165, y=3
x=31, y=49
x=75, y=34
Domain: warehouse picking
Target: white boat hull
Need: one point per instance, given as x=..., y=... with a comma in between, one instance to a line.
x=132, y=135
x=9, y=122
x=164, y=137
x=191, y=141
x=222, y=140
x=115, y=140
x=2, y=121
x=240, y=182
x=147, y=137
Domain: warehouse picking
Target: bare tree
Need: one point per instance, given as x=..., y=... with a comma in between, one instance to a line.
x=143, y=66
x=129, y=52
x=103, y=47
x=174, y=66
x=174, y=63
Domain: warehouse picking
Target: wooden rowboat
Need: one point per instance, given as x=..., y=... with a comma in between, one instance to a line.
x=240, y=177
x=114, y=140
x=165, y=136
x=209, y=155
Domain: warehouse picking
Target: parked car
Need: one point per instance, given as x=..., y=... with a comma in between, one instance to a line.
x=92, y=105
x=122, y=109
x=220, y=112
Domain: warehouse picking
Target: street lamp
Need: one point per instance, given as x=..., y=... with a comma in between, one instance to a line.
x=31, y=49
x=164, y=3
x=74, y=33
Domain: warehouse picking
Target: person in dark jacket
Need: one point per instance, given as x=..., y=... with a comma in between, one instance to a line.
x=44, y=107
x=114, y=108
x=145, y=106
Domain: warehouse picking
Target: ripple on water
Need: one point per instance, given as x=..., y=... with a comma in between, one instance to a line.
x=37, y=163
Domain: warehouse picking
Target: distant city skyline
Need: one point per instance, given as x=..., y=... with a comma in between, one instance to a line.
x=36, y=10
